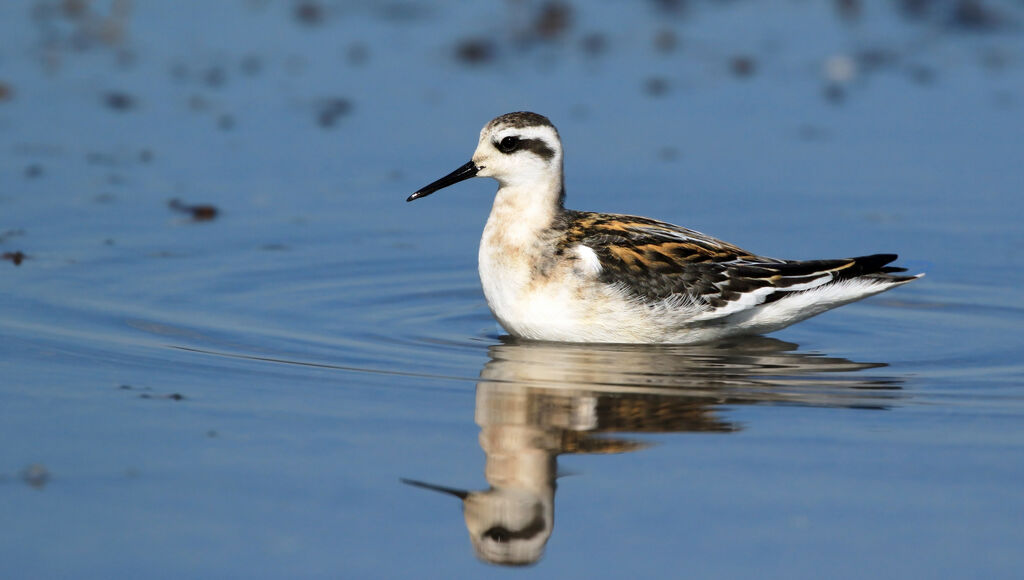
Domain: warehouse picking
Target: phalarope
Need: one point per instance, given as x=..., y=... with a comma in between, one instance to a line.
x=551, y=273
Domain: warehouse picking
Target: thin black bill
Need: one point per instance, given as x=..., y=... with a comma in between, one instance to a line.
x=459, y=493
x=465, y=172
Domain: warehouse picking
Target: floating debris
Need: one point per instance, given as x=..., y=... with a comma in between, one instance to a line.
x=198, y=103
x=309, y=13
x=848, y=10
x=594, y=43
x=200, y=212
x=742, y=66
x=6, y=92
x=330, y=110
x=251, y=65
x=553, y=20
x=974, y=15
x=834, y=93
x=475, y=51
x=215, y=77
x=668, y=153
x=674, y=7
x=33, y=170
x=36, y=475
x=656, y=86
x=8, y=234
x=170, y=397
x=119, y=101
x=357, y=54
x=16, y=257
x=921, y=74
x=126, y=387
x=665, y=41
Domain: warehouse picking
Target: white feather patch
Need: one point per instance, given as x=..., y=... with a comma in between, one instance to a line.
x=589, y=264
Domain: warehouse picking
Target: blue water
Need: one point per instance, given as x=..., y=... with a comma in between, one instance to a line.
x=242, y=396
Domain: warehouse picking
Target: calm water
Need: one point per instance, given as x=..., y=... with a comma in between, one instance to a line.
x=242, y=396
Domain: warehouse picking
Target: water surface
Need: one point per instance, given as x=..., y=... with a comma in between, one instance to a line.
x=243, y=395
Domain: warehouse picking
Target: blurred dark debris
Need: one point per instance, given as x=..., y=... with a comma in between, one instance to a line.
x=871, y=59
x=308, y=12
x=170, y=397
x=127, y=387
x=199, y=212
x=116, y=157
x=215, y=77
x=742, y=66
x=8, y=234
x=594, y=43
x=226, y=122
x=357, y=54
x=553, y=20
x=6, y=92
x=148, y=394
x=996, y=60
x=402, y=11
x=179, y=72
x=665, y=40
x=1004, y=99
x=673, y=7
x=33, y=170
x=921, y=74
x=475, y=51
x=965, y=15
x=119, y=101
x=198, y=103
x=250, y=65
x=14, y=257
x=848, y=10
x=328, y=111
x=36, y=476
x=812, y=133
x=656, y=86
x=145, y=155
x=975, y=15
x=668, y=153
x=834, y=93
x=580, y=111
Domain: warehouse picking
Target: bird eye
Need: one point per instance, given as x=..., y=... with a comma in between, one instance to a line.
x=498, y=534
x=508, y=144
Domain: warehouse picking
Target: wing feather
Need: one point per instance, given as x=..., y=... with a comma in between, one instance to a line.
x=655, y=261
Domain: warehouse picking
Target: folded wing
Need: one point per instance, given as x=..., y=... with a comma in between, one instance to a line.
x=654, y=261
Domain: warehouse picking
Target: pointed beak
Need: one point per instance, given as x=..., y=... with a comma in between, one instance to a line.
x=459, y=493
x=461, y=174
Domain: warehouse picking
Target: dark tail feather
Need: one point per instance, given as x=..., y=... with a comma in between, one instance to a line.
x=874, y=265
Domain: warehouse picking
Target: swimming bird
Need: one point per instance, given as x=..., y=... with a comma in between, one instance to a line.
x=555, y=274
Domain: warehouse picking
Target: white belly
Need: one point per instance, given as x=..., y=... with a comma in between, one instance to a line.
x=565, y=304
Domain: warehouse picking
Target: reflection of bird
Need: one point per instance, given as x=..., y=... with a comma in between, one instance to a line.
x=537, y=400
x=555, y=274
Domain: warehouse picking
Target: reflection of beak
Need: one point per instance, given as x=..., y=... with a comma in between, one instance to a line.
x=461, y=174
x=459, y=493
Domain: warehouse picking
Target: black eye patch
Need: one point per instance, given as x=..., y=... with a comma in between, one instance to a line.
x=512, y=144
